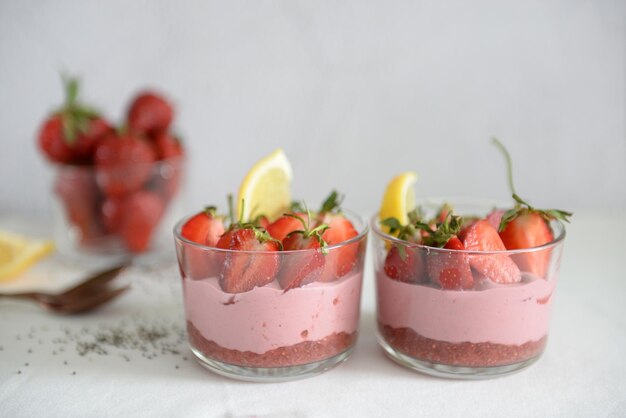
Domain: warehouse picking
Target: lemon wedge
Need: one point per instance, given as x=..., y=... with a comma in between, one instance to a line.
x=266, y=189
x=17, y=253
x=399, y=198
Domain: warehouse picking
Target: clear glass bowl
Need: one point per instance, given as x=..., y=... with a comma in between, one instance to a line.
x=91, y=225
x=271, y=334
x=489, y=329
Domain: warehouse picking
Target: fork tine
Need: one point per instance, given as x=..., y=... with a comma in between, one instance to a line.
x=97, y=280
x=87, y=304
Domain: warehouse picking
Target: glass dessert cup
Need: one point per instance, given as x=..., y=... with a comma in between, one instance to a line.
x=92, y=225
x=271, y=334
x=489, y=330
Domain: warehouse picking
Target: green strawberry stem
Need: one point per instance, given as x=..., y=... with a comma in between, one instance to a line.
x=316, y=232
x=75, y=116
x=509, y=162
x=71, y=90
x=259, y=233
x=231, y=209
x=521, y=206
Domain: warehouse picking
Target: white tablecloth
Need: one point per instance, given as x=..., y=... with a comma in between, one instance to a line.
x=74, y=366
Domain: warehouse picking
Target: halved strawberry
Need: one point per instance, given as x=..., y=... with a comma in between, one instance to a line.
x=499, y=268
x=285, y=225
x=204, y=228
x=303, y=267
x=495, y=217
x=243, y=272
x=405, y=264
x=449, y=269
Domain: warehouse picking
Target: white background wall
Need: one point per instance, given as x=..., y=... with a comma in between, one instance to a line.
x=355, y=91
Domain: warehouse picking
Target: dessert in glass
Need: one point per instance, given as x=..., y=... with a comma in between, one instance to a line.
x=466, y=291
x=272, y=297
x=114, y=192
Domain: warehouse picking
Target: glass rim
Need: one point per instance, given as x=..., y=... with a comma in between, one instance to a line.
x=177, y=230
x=374, y=225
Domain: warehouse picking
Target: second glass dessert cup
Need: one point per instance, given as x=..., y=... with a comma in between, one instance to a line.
x=271, y=334
x=487, y=329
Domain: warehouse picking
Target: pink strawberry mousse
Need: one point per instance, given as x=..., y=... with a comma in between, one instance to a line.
x=508, y=314
x=267, y=318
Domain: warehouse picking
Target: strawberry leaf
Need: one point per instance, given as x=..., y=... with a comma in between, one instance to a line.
x=450, y=227
x=332, y=204
x=393, y=224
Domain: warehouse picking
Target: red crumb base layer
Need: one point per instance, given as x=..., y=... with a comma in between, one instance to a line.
x=293, y=355
x=463, y=354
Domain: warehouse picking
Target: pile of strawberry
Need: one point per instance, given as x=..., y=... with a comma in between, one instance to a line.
x=113, y=182
x=518, y=228
x=241, y=270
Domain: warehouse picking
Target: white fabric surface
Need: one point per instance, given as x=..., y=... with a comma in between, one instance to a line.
x=582, y=372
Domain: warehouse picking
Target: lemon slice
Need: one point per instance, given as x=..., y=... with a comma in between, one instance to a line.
x=266, y=189
x=17, y=253
x=399, y=198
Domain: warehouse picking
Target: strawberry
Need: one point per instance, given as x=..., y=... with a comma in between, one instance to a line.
x=527, y=231
x=149, y=114
x=123, y=164
x=87, y=141
x=262, y=221
x=170, y=177
x=72, y=132
x=52, y=141
x=167, y=146
x=303, y=267
x=339, y=261
x=77, y=190
x=246, y=270
x=449, y=269
x=243, y=272
x=141, y=213
x=495, y=217
x=499, y=268
x=204, y=228
x=112, y=214
x=526, y=227
x=405, y=264
x=285, y=225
